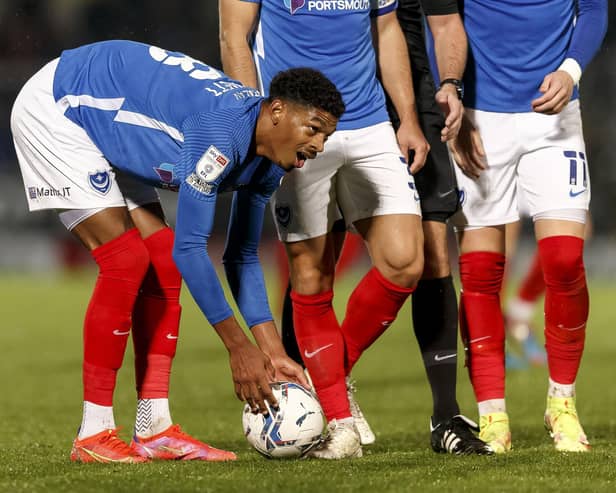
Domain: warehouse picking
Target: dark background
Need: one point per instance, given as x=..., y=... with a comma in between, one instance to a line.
x=33, y=32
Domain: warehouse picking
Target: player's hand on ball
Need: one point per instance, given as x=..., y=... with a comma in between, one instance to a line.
x=288, y=370
x=411, y=138
x=557, y=88
x=252, y=372
x=467, y=150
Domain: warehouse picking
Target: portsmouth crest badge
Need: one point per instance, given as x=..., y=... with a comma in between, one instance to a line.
x=100, y=181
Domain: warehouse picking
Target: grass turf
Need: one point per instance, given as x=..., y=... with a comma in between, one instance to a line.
x=40, y=410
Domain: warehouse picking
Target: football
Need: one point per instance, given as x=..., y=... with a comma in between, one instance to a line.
x=291, y=430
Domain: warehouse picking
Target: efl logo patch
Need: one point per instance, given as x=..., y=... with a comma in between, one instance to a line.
x=100, y=181
x=211, y=165
x=32, y=192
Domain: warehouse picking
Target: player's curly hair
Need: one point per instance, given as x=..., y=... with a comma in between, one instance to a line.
x=307, y=87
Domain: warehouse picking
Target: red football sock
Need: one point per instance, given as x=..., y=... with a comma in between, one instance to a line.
x=322, y=346
x=566, y=305
x=532, y=285
x=481, y=274
x=122, y=263
x=372, y=308
x=156, y=318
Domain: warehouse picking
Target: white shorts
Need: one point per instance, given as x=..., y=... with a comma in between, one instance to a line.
x=360, y=174
x=61, y=167
x=536, y=163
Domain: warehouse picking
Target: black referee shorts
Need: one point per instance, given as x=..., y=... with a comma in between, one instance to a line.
x=436, y=181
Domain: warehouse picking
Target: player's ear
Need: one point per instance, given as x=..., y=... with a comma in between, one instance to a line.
x=278, y=110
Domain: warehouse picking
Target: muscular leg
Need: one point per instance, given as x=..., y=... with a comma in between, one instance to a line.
x=561, y=245
x=156, y=319
x=435, y=321
x=482, y=262
x=289, y=340
x=312, y=265
x=395, y=245
x=123, y=260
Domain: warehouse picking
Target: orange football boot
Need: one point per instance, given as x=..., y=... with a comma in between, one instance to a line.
x=105, y=447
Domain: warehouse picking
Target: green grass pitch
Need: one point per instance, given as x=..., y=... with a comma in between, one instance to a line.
x=40, y=410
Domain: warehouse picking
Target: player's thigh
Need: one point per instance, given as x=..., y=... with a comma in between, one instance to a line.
x=484, y=239
x=490, y=200
x=553, y=175
x=375, y=180
x=305, y=205
x=395, y=245
x=545, y=228
x=102, y=226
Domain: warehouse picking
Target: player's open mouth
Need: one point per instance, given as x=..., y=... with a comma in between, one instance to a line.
x=300, y=159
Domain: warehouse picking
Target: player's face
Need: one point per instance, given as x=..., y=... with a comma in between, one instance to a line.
x=300, y=134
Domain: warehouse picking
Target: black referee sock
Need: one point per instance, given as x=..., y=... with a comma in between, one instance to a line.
x=288, y=330
x=435, y=321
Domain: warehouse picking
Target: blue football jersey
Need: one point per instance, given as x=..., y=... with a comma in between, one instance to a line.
x=514, y=44
x=175, y=122
x=136, y=101
x=333, y=36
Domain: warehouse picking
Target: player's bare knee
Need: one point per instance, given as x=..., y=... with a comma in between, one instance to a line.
x=403, y=269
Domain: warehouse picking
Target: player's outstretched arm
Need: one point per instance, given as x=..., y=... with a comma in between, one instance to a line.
x=393, y=61
x=251, y=369
x=245, y=278
x=450, y=47
x=588, y=33
x=238, y=20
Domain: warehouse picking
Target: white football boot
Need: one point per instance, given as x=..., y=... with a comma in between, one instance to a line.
x=342, y=441
x=366, y=435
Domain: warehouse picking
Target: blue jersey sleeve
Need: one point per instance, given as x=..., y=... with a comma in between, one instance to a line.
x=241, y=258
x=208, y=156
x=194, y=221
x=589, y=31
